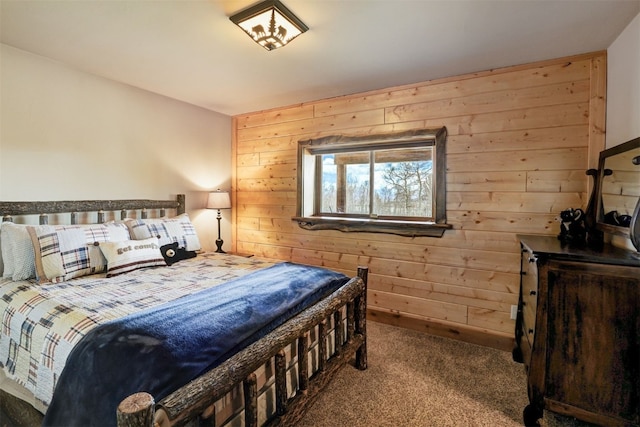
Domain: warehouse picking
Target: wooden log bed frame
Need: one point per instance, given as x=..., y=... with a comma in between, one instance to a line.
x=193, y=404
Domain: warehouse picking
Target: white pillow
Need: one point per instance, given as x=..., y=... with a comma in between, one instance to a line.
x=17, y=251
x=123, y=257
x=168, y=230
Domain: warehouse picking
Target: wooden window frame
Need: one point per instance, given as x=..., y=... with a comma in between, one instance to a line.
x=308, y=199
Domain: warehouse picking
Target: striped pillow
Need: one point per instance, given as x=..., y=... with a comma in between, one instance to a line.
x=123, y=257
x=63, y=252
x=168, y=230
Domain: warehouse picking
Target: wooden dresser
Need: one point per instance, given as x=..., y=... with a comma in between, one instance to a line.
x=578, y=331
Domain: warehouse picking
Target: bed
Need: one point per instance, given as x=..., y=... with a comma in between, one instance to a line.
x=127, y=322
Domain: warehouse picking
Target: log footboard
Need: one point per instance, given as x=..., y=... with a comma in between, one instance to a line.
x=195, y=401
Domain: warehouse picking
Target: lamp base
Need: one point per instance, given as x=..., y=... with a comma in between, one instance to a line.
x=219, y=243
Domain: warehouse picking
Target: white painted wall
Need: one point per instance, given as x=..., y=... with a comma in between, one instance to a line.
x=623, y=86
x=66, y=134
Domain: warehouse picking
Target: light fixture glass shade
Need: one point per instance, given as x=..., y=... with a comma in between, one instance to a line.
x=219, y=200
x=270, y=24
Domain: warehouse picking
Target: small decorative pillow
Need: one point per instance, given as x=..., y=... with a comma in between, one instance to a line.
x=123, y=257
x=172, y=253
x=17, y=252
x=168, y=230
x=63, y=252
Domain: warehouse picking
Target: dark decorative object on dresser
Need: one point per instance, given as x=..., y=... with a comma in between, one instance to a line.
x=578, y=331
x=572, y=228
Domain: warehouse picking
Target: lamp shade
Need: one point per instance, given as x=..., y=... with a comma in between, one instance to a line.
x=219, y=200
x=270, y=24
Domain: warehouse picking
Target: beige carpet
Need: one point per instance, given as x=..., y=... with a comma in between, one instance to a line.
x=415, y=379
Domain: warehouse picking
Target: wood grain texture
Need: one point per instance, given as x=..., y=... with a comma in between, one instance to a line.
x=519, y=142
x=136, y=410
x=584, y=302
x=70, y=206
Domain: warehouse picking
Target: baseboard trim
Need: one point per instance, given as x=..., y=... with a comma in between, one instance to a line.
x=468, y=334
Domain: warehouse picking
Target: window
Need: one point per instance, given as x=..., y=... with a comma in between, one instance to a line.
x=393, y=183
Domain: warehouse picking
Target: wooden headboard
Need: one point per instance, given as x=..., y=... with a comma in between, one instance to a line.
x=10, y=209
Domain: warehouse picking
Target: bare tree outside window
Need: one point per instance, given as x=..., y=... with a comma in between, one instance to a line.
x=407, y=190
x=399, y=182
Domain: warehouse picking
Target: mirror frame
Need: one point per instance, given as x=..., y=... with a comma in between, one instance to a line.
x=633, y=232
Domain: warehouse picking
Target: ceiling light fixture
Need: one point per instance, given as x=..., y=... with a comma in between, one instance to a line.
x=270, y=24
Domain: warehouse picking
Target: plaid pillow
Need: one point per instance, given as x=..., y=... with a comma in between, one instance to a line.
x=64, y=252
x=123, y=257
x=168, y=230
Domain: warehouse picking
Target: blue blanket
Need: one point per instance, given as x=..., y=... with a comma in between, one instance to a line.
x=162, y=349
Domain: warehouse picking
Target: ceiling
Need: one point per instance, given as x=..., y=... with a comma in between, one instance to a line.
x=190, y=51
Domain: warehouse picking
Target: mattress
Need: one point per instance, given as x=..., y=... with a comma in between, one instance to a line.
x=40, y=323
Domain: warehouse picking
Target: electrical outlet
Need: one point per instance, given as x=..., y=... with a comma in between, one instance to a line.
x=514, y=312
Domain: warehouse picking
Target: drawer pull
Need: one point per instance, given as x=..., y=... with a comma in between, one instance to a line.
x=531, y=331
x=532, y=292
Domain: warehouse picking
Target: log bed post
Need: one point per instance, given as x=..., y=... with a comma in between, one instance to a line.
x=338, y=331
x=303, y=362
x=136, y=410
x=250, y=388
x=281, y=383
x=322, y=344
x=182, y=207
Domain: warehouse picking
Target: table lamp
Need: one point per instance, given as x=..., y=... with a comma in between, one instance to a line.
x=219, y=200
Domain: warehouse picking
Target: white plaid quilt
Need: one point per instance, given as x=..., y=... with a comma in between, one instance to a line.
x=40, y=323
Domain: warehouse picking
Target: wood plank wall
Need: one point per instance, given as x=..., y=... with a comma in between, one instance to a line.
x=520, y=140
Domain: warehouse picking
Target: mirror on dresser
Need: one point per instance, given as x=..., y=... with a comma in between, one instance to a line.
x=619, y=191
